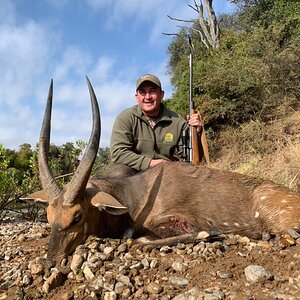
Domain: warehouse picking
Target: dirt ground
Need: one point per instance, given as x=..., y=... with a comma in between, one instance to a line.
x=222, y=272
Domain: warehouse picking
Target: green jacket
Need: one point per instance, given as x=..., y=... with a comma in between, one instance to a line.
x=134, y=143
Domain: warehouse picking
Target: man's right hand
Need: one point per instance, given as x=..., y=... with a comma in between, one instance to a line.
x=155, y=162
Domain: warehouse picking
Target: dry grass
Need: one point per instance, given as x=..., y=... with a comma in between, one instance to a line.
x=266, y=150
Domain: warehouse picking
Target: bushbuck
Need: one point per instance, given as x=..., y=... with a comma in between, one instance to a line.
x=166, y=204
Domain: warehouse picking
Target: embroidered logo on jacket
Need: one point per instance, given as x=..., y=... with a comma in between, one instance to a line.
x=168, y=138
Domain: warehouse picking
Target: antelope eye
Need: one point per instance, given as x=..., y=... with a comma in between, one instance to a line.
x=77, y=219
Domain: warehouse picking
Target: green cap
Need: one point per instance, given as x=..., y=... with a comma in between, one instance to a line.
x=148, y=77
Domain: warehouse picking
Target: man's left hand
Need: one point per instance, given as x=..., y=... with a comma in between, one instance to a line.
x=195, y=120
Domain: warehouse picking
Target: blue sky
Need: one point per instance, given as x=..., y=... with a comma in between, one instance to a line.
x=112, y=42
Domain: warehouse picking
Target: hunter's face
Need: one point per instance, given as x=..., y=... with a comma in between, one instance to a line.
x=149, y=97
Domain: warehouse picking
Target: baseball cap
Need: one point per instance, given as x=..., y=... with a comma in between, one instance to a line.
x=148, y=77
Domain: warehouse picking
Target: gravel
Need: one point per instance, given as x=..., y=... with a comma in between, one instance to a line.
x=233, y=267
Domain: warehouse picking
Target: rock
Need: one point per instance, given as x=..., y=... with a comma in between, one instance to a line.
x=97, y=284
x=110, y=296
x=123, y=279
x=27, y=279
x=56, y=279
x=165, y=249
x=224, y=275
x=179, y=281
x=255, y=273
x=202, y=235
x=36, y=268
x=77, y=262
x=177, y=266
x=294, y=234
x=108, y=250
x=88, y=274
x=154, y=288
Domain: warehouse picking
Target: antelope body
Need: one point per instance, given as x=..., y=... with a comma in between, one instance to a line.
x=167, y=204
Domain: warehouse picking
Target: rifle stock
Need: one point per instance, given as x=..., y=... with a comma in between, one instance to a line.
x=195, y=160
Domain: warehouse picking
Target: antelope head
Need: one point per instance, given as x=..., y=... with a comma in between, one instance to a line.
x=69, y=211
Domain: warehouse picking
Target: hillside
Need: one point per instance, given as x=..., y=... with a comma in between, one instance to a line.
x=269, y=150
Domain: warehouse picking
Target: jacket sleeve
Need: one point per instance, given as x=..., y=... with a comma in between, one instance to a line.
x=121, y=144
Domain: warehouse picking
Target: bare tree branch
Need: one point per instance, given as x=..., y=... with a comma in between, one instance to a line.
x=180, y=20
x=166, y=33
x=209, y=28
x=213, y=24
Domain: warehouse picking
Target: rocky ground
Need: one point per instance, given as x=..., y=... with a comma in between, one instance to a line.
x=233, y=267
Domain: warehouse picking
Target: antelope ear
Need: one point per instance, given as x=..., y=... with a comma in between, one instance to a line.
x=104, y=201
x=39, y=196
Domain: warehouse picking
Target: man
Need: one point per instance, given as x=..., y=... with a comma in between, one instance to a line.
x=148, y=133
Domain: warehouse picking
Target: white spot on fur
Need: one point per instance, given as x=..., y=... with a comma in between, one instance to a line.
x=256, y=215
x=283, y=201
x=225, y=224
x=263, y=197
x=236, y=224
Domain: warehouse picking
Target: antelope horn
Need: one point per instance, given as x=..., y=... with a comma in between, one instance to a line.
x=83, y=171
x=48, y=182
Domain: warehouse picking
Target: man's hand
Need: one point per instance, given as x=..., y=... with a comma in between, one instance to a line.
x=155, y=162
x=195, y=120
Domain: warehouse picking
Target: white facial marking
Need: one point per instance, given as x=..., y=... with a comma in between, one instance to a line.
x=256, y=215
x=283, y=201
x=263, y=197
x=225, y=224
x=236, y=224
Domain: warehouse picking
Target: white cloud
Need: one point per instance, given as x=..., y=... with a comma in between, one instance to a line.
x=73, y=60
x=23, y=53
x=103, y=68
x=115, y=95
x=18, y=127
x=143, y=14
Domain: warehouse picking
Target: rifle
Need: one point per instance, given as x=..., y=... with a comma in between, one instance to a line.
x=197, y=148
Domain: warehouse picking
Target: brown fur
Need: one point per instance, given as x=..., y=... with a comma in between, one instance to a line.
x=178, y=198
x=170, y=203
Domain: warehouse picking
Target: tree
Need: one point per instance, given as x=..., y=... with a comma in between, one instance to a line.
x=250, y=75
x=206, y=26
x=102, y=162
x=23, y=157
x=254, y=13
x=8, y=182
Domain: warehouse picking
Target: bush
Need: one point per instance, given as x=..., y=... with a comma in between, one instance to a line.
x=13, y=186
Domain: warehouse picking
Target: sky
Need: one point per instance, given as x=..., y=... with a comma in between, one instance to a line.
x=113, y=42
